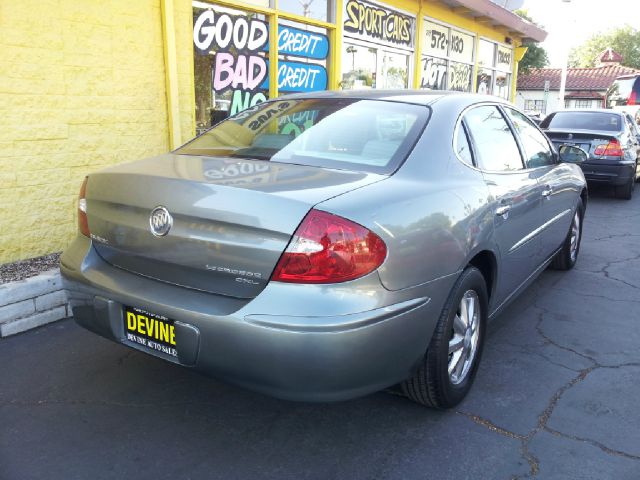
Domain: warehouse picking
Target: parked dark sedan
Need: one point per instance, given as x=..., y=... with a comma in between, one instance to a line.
x=325, y=246
x=610, y=139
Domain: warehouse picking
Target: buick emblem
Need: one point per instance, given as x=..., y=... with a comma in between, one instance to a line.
x=160, y=221
x=570, y=136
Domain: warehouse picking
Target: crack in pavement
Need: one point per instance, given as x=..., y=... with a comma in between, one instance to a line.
x=589, y=295
x=529, y=350
x=543, y=418
x=594, y=443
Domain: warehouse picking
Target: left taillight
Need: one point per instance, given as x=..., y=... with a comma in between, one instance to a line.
x=83, y=223
x=327, y=248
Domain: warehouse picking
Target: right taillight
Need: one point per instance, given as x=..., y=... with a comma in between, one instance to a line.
x=632, y=98
x=611, y=149
x=327, y=248
x=83, y=223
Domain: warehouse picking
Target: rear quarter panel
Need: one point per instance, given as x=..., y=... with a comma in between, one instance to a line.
x=433, y=213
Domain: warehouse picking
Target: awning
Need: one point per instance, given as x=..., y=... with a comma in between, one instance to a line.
x=485, y=11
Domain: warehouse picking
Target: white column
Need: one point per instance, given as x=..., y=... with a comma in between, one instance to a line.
x=565, y=61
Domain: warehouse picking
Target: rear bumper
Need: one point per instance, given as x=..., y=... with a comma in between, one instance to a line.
x=312, y=343
x=617, y=174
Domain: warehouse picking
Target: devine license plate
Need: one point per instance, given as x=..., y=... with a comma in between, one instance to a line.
x=151, y=331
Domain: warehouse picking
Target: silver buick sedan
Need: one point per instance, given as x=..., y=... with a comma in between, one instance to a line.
x=325, y=246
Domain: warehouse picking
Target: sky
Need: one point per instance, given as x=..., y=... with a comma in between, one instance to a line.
x=570, y=24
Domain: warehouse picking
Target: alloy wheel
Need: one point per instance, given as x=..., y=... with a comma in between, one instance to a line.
x=575, y=236
x=463, y=345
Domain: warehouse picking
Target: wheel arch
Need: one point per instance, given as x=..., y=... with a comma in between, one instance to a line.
x=584, y=196
x=486, y=262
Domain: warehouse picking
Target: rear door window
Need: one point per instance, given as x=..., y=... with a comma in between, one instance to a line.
x=536, y=147
x=495, y=146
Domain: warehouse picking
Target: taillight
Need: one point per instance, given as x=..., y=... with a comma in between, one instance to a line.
x=632, y=98
x=329, y=249
x=611, y=149
x=83, y=223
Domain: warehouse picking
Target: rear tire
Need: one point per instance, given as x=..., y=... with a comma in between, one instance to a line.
x=567, y=257
x=449, y=366
x=625, y=192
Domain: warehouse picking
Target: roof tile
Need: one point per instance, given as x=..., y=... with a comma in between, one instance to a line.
x=598, y=78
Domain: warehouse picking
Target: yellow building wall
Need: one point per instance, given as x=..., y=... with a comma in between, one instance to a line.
x=82, y=86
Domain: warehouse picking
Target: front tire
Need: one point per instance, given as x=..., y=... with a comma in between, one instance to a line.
x=449, y=366
x=566, y=258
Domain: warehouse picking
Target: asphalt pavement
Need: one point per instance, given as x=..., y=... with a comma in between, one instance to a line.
x=557, y=396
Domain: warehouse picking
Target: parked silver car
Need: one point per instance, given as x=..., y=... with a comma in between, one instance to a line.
x=325, y=246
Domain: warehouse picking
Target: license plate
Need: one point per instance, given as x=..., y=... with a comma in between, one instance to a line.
x=151, y=331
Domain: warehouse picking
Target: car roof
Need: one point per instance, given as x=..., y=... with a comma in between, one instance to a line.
x=419, y=97
x=589, y=110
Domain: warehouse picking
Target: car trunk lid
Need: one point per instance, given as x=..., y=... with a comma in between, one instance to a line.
x=588, y=140
x=232, y=218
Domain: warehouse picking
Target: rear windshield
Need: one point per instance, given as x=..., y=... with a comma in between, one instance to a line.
x=620, y=91
x=610, y=122
x=364, y=135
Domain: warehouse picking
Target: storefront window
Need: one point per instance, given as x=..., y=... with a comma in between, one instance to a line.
x=395, y=70
x=316, y=9
x=302, y=60
x=359, y=67
x=494, y=74
x=448, y=60
x=378, y=47
x=230, y=62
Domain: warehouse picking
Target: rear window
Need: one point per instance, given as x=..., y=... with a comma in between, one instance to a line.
x=365, y=135
x=610, y=122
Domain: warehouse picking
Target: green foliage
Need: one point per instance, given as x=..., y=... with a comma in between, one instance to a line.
x=536, y=56
x=624, y=40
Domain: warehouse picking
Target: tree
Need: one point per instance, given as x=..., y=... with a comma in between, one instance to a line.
x=624, y=40
x=536, y=56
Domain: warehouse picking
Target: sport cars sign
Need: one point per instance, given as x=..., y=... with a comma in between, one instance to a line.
x=380, y=24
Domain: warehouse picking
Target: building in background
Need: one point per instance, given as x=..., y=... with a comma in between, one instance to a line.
x=537, y=92
x=85, y=85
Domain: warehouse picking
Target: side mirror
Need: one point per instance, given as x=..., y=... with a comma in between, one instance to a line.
x=571, y=154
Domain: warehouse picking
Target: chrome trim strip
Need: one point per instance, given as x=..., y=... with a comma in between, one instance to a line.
x=524, y=240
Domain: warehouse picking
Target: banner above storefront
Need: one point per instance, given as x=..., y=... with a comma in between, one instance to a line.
x=379, y=24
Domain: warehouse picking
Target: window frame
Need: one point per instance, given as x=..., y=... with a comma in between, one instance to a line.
x=536, y=104
x=494, y=68
x=447, y=57
x=523, y=152
x=465, y=132
x=381, y=49
x=474, y=147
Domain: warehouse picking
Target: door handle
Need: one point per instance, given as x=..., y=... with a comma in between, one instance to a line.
x=547, y=191
x=503, y=210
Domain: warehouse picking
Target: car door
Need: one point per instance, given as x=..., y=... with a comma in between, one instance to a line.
x=515, y=196
x=556, y=180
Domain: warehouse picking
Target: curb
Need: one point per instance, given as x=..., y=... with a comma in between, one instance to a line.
x=32, y=302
